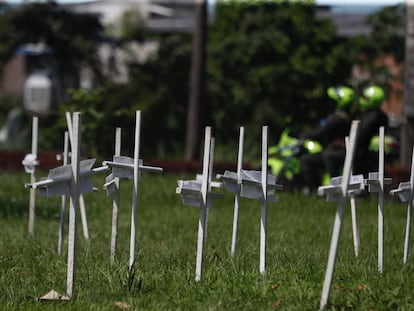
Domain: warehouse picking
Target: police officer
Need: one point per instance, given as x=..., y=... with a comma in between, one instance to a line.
x=331, y=134
x=371, y=118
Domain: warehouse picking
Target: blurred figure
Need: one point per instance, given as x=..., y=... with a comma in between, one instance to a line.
x=372, y=118
x=331, y=134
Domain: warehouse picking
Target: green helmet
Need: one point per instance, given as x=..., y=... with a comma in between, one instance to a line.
x=342, y=95
x=372, y=97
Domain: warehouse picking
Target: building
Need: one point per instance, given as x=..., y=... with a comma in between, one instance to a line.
x=158, y=16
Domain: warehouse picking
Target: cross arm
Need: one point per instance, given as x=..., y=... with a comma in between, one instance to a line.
x=404, y=191
x=152, y=169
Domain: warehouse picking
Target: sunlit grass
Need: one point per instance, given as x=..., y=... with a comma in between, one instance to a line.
x=299, y=233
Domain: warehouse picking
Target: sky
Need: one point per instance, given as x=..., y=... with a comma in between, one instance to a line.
x=58, y=1
x=319, y=2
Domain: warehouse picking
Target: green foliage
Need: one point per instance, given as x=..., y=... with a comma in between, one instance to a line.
x=132, y=26
x=105, y=108
x=267, y=63
x=7, y=36
x=7, y=103
x=101, y=112
x=386, y=40
x=71, y=36
x=299, y=231
x=387, y=35
x=274, y=68
x=163, y=89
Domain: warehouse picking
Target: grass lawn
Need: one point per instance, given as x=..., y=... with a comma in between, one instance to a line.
x=299, y=233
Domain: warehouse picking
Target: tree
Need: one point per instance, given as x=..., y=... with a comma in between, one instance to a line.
x=158, y=87
x=385, y=40
x=72, y=36
x=197, y=94
x=387, y=35
x=389, y=25
x=408, y=128
x=270, y=64
x=6, y=35
x=267, y=63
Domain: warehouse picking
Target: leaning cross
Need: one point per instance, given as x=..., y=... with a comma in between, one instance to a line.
x=338, y=191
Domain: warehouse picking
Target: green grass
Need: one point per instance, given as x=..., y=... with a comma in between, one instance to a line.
x=299, y=233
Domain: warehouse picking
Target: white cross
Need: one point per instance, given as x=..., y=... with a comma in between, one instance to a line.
x=257, y=185
x=236, y=189
x=81, y=200
x=352, y=199
x=198, y=193
x=65, y=159
x=30, y=162
x=112, y=187
x=126, y=167
x=405, y=194
x=333, y=193
x=58, y=182
x=338, y=192
x=376, y=184
x=70, y=180
x=250, y=184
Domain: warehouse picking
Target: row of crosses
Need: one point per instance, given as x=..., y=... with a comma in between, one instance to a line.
x=71, y=180
x=348, y=186
x=256, y=185
x=74, y=179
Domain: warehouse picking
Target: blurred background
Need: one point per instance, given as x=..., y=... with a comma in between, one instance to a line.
x=191, y=63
